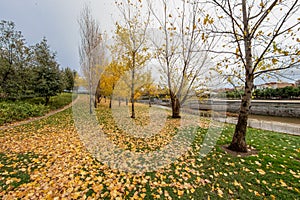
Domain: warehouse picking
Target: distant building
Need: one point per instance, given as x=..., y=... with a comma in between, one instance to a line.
x=297, y=83
x=274, y=85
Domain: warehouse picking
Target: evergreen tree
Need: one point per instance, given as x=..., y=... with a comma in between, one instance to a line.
x=15, y=60
x=47, y=78
x=69, y=79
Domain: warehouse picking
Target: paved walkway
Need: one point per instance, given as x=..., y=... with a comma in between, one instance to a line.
x=288, y=128
x=14, y=124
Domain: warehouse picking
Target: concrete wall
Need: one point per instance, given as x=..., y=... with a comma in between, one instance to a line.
x=258, y=107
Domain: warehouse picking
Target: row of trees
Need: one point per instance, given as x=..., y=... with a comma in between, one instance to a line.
x=288, y=92
x=241, y=40
x=176, y=52
x=29, y=71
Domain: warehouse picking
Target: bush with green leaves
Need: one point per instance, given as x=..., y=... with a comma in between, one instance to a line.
x=15, y=111
x=11, y=111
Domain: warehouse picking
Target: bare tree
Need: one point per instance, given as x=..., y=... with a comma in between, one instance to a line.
x=259, y=38
x=179, y=52
x=131, y=35
x=91, y=50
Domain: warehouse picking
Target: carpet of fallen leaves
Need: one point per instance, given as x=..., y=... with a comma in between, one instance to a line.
x=47, y=160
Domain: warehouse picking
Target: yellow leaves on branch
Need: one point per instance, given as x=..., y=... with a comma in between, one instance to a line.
x=208, y=20
x=274, y=61
x=237, y=51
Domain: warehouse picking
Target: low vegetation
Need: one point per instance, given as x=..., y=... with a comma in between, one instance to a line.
x=11, y=111
x=268, y=93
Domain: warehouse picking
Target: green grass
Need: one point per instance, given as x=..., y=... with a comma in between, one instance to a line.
x=19, y=110
x=15, y=169
x=274, y=173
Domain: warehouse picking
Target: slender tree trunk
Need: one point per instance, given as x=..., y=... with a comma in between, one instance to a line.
x=110, y=101
x=90, y=83
x=132, y=94
x=132, y=86
x=97, y=95
x=238, y=142
x=111, y=96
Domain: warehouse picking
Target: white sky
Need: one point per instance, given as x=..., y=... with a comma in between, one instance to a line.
x=57, y=21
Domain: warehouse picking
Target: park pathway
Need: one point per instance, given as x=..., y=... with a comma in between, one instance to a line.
x=288, y=128
x=281, y=127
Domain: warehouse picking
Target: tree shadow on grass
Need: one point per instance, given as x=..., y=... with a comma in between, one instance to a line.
x=251, y=151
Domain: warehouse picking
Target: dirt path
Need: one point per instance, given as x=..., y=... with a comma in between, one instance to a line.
x=32, y=119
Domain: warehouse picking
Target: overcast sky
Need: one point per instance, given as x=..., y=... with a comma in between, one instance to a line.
x=57, y=20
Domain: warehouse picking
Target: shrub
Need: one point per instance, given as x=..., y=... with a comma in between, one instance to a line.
x=19, y=110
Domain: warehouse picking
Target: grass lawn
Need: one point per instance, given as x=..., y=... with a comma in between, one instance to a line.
x=19, y=110
x=47, y=159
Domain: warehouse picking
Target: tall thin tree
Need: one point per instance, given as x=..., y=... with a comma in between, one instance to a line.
x=131, y=34
x=179, y=46
x=259, y=38
x=90, y=49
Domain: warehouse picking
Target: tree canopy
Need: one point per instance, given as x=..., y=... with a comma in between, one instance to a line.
x=28, y=71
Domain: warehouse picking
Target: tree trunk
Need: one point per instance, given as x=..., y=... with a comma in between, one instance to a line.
x=97, y=95
x=110, y=101
x=175, y=107
x=238, y=142
x=90, y=88
x=47, y=99
x=132, y=109
x=111, y=96
x=132, y=87
x=97, y=100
